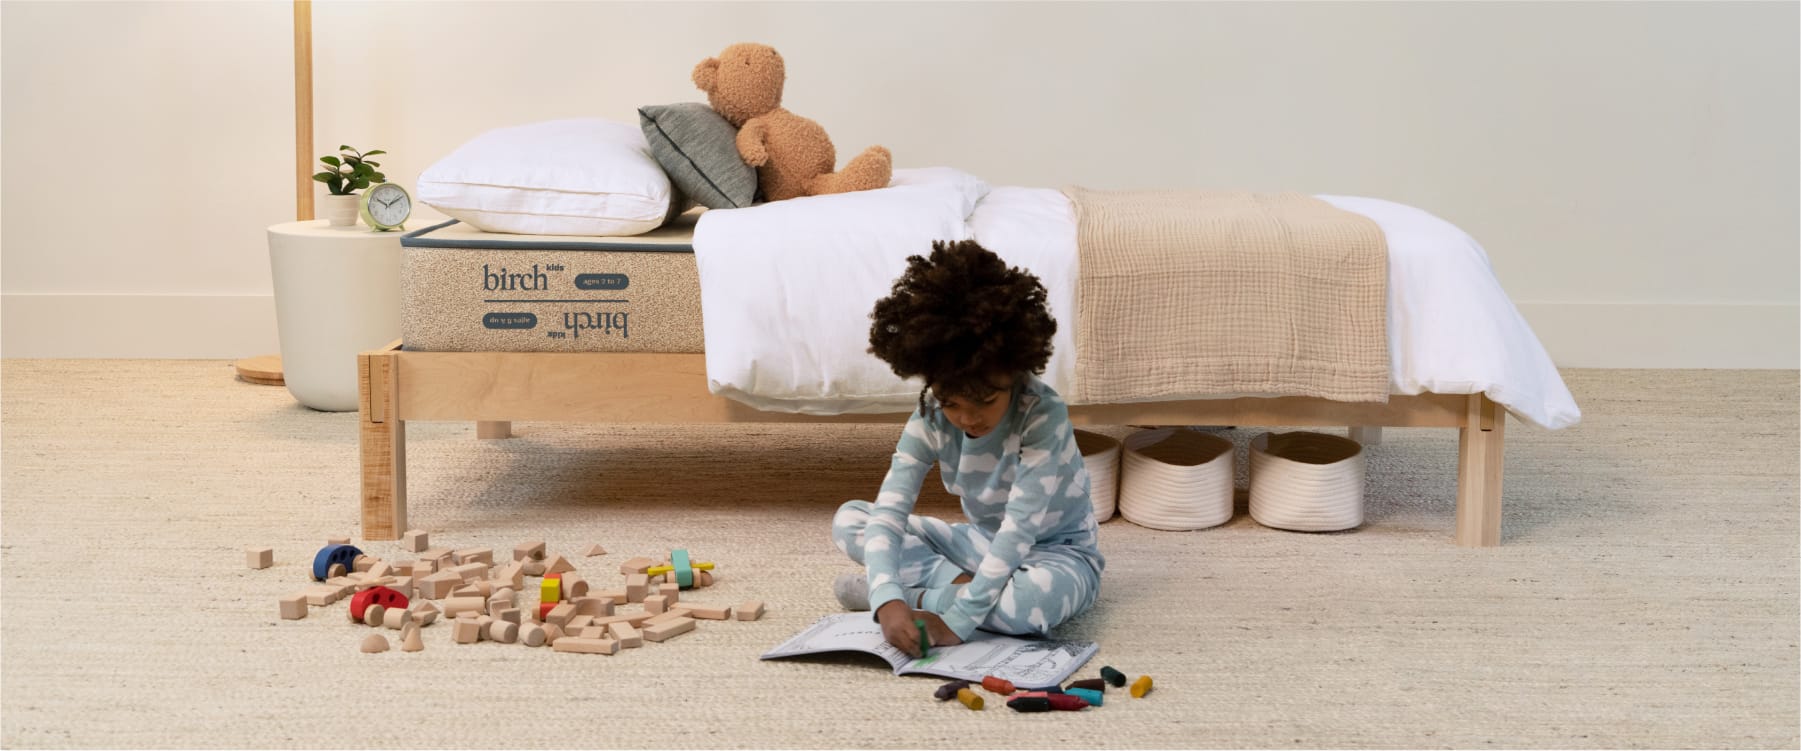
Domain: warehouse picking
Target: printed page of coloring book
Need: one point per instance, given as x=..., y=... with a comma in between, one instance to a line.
x=1028, y=663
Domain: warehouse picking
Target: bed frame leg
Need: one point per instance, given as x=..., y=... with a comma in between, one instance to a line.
x=493, y=429
x=1367, y=435
x=383, y=439
x=1479, y=473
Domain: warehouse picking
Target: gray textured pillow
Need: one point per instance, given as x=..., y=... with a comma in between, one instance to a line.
x=699, y=150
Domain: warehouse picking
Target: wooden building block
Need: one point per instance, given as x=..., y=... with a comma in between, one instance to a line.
x=438, y=585
x=590, y=632
x=456, y=606
x=293, y=607
x=593, y=605
x=551, y=634
x=616, y=595
x=473, y=555
x=423, y=567
x=673, y=614
x=627, y=635
x=373, y=614
x=586, y=646
x=656, y=604
x=505, y=632
x=708, y=612
x=574, y=586
x=335, y=571
x=397, y=618
x=671, y=592
x=557, y=564
x=533, y=568
x=439, y=557
x=409, y=638
x=465, y=631
x=636, y=619
x=636, y=566
x=380, y=570
x=560, y=614
x=594, y=550
x=415, y=540
x=259, y=558
x=337, y=541
x=703, y=578
x=363, y=563
x=514, y=616
x=550, y=589
x=375, y=643
x=532, y=635
x=578, y=621
x=750, y=611
x=513, y=574
x=660, y=632
x=529, y=551
x=637, y=587
x=471, y=572
x=321, y=594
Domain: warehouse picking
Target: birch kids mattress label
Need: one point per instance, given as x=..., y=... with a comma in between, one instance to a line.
x=464, y=299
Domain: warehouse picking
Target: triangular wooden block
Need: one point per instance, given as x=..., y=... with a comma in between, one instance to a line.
x=375, y=643
x=596, y=549
x=411, y=642
x=558, y=564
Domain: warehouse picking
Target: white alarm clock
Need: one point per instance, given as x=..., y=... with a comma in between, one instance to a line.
x=386, y=206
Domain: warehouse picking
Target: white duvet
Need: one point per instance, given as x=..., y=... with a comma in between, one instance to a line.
x=786, y=290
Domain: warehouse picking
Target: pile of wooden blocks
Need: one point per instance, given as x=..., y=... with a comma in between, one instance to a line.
x=482, y=600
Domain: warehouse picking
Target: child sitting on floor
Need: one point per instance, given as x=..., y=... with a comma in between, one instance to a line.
x=975, y=331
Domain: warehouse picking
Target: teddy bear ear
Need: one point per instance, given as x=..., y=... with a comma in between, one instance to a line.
x=705, y=73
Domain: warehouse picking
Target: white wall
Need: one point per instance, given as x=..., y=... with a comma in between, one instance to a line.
x=1631, y=167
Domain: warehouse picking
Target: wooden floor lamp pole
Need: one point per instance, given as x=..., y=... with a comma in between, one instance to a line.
x=303, y=109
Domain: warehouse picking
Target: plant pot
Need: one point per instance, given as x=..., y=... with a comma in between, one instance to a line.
x=339, y=211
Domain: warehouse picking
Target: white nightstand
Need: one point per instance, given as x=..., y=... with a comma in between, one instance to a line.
x=337, y=293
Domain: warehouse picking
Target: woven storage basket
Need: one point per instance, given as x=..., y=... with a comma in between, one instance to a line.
x=1176, y=479
x=1100, y=455
x=1307, y=482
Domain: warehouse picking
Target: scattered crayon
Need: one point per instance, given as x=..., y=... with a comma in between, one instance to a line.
x=1113, y=676
x=1029, y=704
x=1089, y=695
x=997, y=685
x=1141, y=687
x=969, y=698
x=925, y=644
x=949, y=691
x=1092, y=684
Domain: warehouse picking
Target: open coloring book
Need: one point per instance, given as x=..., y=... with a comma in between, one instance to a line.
x=1028, y=663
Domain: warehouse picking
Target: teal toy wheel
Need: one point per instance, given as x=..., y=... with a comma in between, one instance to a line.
x=684, y=570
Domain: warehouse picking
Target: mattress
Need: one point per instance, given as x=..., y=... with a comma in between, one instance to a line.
x=465, y=290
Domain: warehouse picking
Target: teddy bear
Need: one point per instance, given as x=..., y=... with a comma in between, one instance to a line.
x=792, y=154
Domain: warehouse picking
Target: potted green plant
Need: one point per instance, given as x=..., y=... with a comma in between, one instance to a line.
x=350, y=171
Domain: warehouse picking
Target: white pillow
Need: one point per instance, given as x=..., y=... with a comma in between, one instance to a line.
x=562, y=177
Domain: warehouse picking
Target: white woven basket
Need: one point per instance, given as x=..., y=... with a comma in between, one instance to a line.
x=1307, y=482
x=1100, y=455
x=1176, y=479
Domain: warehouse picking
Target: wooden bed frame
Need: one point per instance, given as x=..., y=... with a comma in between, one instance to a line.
x=494, y=388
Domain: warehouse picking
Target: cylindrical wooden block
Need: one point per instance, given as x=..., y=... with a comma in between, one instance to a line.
x=373, y=614
x=703, y=578
x=505, y=632
x=335, y=570
x=533, y=568
x=456, y=606
x=396, y=618
x=532, y=635
x=551, y=633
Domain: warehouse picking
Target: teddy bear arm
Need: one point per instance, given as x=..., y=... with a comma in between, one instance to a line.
x=751, y=142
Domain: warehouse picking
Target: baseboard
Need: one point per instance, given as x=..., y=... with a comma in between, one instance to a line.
x=138, y=326
x=1578, y=335
x=1668, y=335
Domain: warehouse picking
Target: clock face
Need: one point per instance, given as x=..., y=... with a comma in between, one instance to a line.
x=389, y=204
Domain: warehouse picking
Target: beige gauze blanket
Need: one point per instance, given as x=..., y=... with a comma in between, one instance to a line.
x=1196, y=294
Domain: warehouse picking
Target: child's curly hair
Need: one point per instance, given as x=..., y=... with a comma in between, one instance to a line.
x=960, y=318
